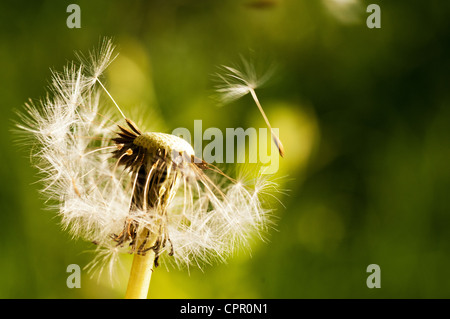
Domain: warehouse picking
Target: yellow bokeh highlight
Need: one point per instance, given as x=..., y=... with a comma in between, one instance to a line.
x=130, y=82
x=298, y=131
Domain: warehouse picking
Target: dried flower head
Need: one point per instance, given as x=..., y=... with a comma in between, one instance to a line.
x=130, y=191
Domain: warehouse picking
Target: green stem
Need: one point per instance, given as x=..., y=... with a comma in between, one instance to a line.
x=140, y=276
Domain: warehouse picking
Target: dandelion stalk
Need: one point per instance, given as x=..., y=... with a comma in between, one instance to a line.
x=140, y=275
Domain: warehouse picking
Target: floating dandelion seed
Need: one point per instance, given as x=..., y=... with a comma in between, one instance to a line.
x=130, y=191
x=236, y=83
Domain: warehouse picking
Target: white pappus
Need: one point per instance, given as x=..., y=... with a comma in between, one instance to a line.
x=128, y=191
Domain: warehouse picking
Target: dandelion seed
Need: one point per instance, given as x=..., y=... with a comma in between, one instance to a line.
x=130, y=191
x=234, y=84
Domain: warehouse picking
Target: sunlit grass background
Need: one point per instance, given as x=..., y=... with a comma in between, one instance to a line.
x=364, y=116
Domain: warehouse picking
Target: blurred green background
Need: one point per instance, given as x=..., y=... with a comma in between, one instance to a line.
x=364, y=115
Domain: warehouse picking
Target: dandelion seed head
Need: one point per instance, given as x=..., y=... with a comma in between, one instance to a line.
x=131, y=191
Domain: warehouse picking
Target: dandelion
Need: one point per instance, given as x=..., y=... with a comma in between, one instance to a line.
x=131, y=191
x=235, y=83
